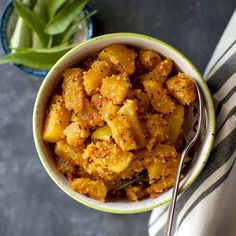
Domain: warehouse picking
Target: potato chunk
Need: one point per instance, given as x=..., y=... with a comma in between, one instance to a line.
x=149, y=59
x=89, y=115
x=72, y=89
x=67, y=152
x=129, y=111
x=160, y=72
x=141, y=160
x=108, y=110
x=57, y=119
x=67, y=168
x=157, y=129
x=175, y=122
x=121, y=57
x=163, y=169
x=134, y=193
x=164, y=150
x=159, y=97
x=93, y=78
x=162, y=184
x=73, y=73
x=105, y=106
x=95, y=189
x=141, y=97
x=97, y=100
x=122, y=133
x=165, y=68
x=115, y=87
x=106, y=155
x=182, y=88
x=76, y=132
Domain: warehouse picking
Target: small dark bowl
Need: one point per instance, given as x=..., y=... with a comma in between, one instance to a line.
x=7, y=23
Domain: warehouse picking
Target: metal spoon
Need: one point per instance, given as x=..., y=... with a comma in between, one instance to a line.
x=191, y=132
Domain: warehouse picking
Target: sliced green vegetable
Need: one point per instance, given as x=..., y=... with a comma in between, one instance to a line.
x=39, y=9
x=39, y=61
x=65, y=17
x=126, y=183
x=50, y=41
x=103, y=133
x=33, y=21
x=62, y=47
x=56, y=39
x=68, y=34
x=36, y=58
x=74, y=27
x=21, y=36
x=53, y=7
x=28, y=2
x=32, y=30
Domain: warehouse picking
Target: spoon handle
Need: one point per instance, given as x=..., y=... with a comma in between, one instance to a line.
x=169, y=222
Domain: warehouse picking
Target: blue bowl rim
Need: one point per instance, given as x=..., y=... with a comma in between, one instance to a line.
x=3, y=39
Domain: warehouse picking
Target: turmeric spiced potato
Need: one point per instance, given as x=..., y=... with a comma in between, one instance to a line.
x=115, y=132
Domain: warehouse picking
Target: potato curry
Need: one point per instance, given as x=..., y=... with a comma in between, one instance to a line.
x=115, y=123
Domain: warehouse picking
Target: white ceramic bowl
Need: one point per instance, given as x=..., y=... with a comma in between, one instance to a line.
x=81, y=52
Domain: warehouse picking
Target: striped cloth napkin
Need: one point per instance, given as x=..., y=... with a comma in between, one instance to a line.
x=208, y=207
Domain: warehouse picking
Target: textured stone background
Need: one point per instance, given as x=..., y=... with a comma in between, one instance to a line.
x=30, y=203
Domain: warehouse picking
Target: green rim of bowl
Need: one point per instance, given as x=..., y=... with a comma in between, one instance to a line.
x=211, y=117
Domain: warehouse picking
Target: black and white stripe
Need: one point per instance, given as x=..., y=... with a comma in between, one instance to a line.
x=220, y=58
x=218, y=79
x=209, y=190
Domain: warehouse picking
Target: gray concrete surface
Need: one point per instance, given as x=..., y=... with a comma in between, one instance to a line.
x=30, y=203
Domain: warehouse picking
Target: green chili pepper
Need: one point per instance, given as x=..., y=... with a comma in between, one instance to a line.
x=36, y=58
x=62, y=20
x=102, y=133
x=74, y=27
x=33, y=21
x=58, y=48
